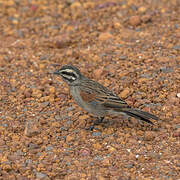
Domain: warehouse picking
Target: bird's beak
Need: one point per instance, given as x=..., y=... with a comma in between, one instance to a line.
x=56, y=72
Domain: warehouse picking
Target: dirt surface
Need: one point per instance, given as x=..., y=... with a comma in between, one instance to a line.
x=130, y=46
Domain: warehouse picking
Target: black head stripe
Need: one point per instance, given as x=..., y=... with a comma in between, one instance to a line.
x=71, y=75
x=68, y=78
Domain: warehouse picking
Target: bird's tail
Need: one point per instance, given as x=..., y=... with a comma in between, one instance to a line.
x=141, y=115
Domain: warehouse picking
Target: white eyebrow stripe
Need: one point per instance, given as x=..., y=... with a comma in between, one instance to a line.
x=70, y=71
x=67, y=70
x=69, y=77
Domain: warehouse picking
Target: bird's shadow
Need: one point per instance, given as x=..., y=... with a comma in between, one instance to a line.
x=121, y=122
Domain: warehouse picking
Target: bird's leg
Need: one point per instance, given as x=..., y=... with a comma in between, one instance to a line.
x=97, y=122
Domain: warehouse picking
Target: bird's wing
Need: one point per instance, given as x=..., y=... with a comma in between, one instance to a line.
x=93, y=91
x=114, y=102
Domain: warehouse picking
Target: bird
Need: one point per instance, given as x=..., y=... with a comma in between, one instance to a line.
x=96, y=98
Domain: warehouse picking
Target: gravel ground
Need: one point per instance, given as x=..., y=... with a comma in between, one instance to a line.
x=130, y=46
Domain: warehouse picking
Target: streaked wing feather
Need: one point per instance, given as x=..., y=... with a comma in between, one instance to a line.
x=91, y=90
x=87, y=97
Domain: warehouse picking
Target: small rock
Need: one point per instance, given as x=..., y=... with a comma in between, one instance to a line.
x=166, y=69
x=2, y=142
x=33, y=146
x=31, y=128
x=44, y=104
x=57, y=117
x=98, y=72
x=106, y=162
x=105, y=36
x=149, y=135
x=83, y=117
x=142, y=80
x=177, y=47
x=44, y=57
x=36, y=93
x=76, y=5
x=98, y=158
x=52, y=89
x=69, y=122
x=100, y=177
x=69, y=138
x=111, y=149
x=62, y=41
x=88, y=5
x=105, y=5
x=125, y=93
x=178, y=95
x=134, y=21
x=14, y=157
x=129, y=166
x=146, y=18
x=122, y=57
x=176, y=133
x=96, y=134
x=27, y=93
x=97, y=146
x=142, y=9
x=84, y=152
x=13, y=82
x=40, y=175
x=49, y=148
x=154, y=155
x=34, y=7
x=63, y=128
x=133, y=7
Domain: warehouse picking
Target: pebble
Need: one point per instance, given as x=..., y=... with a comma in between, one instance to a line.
x=45, y=104
x=49, y=148
x=44, y=57
x=105, y=5
x=129, y=166
x=63, y=128
x=149, y=135
x=62, y=41
x=69, y=122
x=125, y=93
x=122, y=57
x=177, y=47
x=111, y=149
x=33, y=146
x=40, y=175
x=98, y=158
x=97, y=146
x=76, y=5
x=36, y=93
x=97, y=134
x=135, y=20
x=31, y=128
x=98, y=72
x=166, y=69
x=58, y=117
x=105, y=36
x=176, y=133
x=146, y=18
x=106, y=162
x=84, y=152
x=69, y=138
x=142, y=9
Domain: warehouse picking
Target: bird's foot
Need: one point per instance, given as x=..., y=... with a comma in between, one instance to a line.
x=97, y=122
